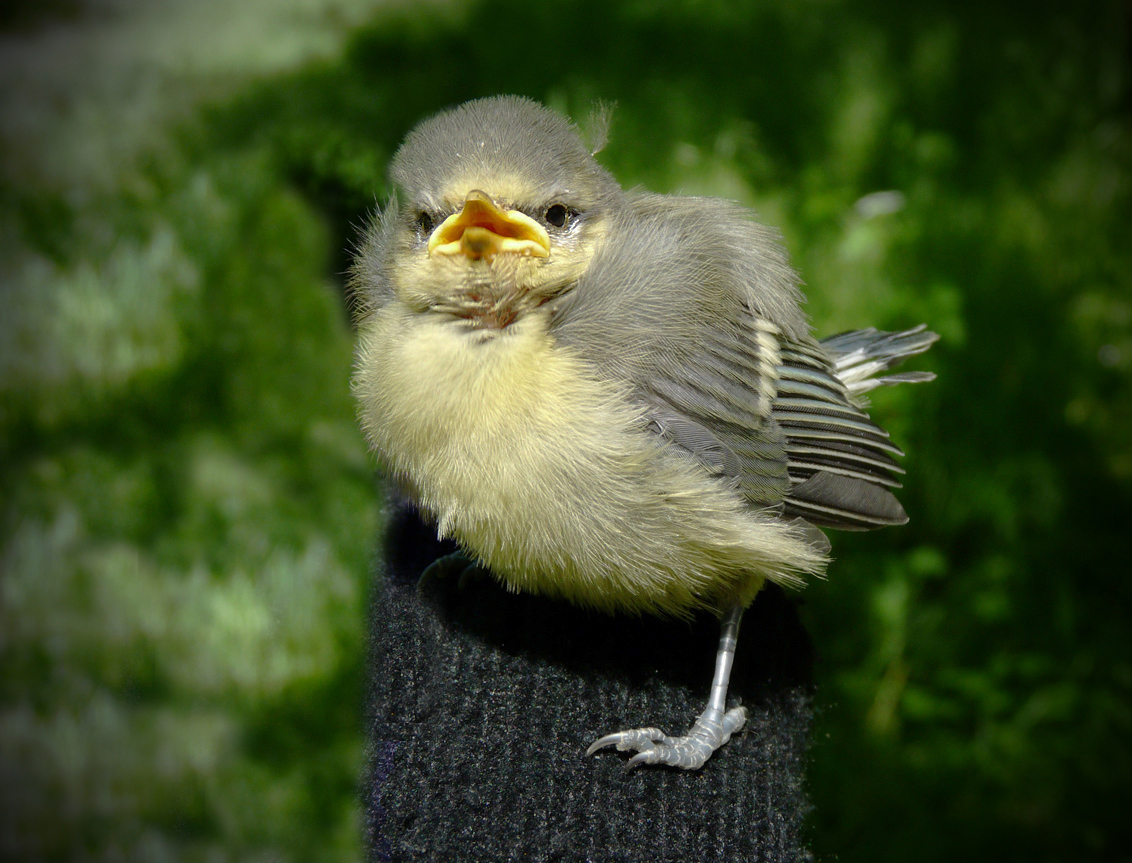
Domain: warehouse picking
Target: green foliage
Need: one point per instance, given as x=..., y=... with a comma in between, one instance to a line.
x=187, y=513
x=188, y=520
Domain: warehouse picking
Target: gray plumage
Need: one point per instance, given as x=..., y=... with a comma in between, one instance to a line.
x=610, y=396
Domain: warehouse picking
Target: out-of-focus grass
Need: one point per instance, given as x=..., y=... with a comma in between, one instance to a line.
x=188, y=512
x=188, y=523
x=187, y=508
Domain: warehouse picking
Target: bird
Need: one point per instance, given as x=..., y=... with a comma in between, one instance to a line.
x=610, y=397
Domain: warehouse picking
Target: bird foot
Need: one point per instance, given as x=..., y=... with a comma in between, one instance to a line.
x=712, y=729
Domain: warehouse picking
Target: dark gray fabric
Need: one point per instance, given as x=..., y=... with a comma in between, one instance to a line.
x=482, y=704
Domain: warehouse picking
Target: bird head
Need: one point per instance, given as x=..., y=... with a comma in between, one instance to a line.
x=500, y=209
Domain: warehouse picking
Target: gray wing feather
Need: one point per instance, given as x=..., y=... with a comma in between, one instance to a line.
x=696, y=441
x=858, y=355
x=724, y=392
x=841, y=462
x=758, y=415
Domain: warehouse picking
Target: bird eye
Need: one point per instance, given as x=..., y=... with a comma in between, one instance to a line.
x=557, y=215
x=425, y=223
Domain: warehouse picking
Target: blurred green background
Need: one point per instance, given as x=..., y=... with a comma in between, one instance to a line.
x=188, y=515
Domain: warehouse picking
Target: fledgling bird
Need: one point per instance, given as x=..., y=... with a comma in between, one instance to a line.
x=607, y=396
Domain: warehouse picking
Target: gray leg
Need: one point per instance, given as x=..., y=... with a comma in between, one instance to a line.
x=712, y=728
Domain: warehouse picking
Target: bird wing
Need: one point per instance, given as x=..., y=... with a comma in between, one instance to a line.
x=841, y=463
x=715, y=405
x=773, y=416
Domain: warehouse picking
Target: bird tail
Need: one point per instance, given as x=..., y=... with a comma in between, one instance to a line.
x=861, y=354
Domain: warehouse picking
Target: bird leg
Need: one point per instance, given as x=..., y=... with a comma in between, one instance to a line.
x=712, y=728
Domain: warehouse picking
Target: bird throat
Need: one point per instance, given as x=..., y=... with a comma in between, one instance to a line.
x=491, y=295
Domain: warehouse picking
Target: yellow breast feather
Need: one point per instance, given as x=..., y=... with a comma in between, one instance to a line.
x=547, y=474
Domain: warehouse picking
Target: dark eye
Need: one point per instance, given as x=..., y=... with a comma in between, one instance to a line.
x=425, y=223
x=557, y=215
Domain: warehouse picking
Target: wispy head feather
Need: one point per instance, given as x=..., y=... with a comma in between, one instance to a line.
x=597, y=125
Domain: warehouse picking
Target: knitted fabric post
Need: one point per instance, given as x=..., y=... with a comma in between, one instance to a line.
x=482, y=703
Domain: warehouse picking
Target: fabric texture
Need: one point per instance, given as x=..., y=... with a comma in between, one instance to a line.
x=483, y=702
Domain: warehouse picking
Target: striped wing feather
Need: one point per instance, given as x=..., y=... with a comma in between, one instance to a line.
x=841, y=464
x=781, y=419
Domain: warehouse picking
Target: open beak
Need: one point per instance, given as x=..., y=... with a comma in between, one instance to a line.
x=482, y=230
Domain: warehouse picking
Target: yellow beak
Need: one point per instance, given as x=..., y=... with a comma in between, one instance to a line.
x=482, y=230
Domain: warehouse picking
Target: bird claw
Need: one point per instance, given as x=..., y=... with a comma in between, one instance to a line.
x=711, y=730
x=638, y=739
